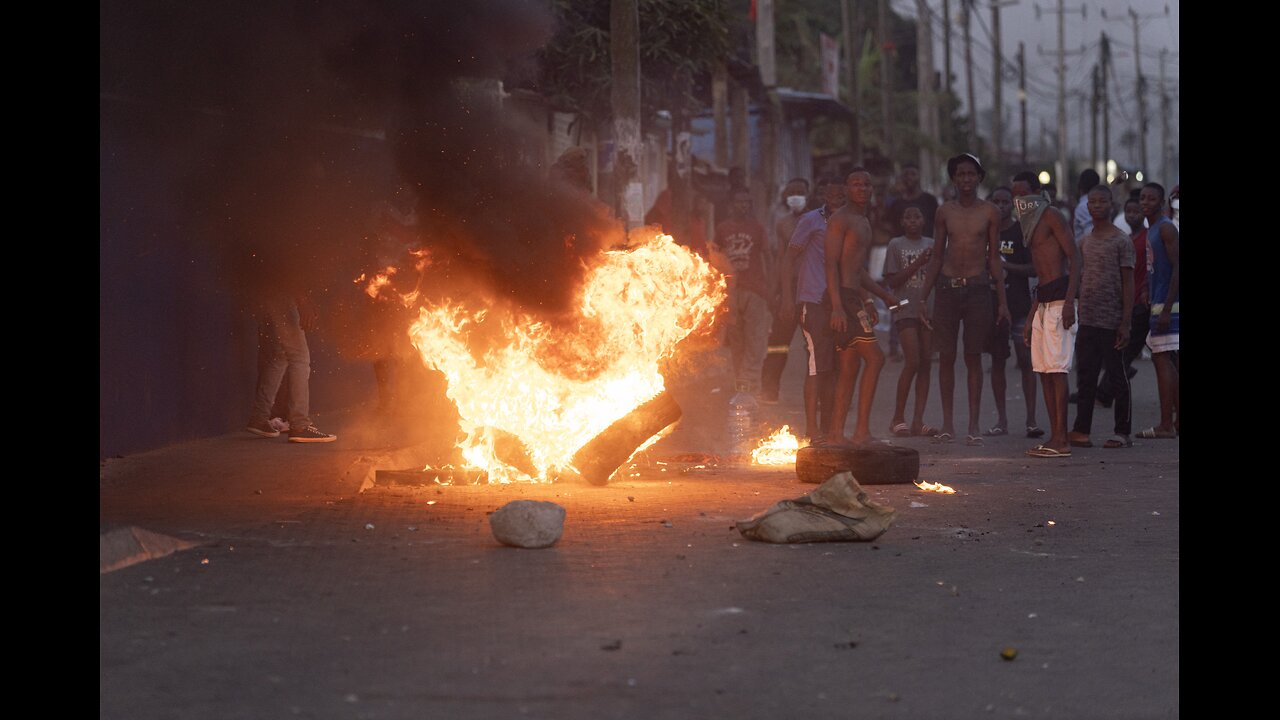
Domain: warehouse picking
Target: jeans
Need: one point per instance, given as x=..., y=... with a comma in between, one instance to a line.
x=1095, y=350
x=285, y=344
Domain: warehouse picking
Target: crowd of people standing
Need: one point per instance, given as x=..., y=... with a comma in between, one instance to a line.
x=1014, y=274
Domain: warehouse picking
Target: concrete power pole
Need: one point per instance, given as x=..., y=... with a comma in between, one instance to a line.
x=720, y=111
x=968, y=75
x=1141, y=83
x=1094, y=106
x=1103, y=73
x=1165, y=148
x=927, y=111
x=773, y=112
x=997, y=84
x=1022, y=97
x=886, y=83
x=624, y=51
x=852, y=50
x=1060, y=170
x=1142, y=96
x=946, y=42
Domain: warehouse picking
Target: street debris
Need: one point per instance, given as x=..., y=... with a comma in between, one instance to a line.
x=528, y=523
x=368, y=526
x=615, y=645
x=1009, y=653
x=838, y=510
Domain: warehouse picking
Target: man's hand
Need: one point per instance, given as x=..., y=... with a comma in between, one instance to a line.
x=873, y=317
x=1003, y=316
x=1164, y=321
x=1122, y=335
x=307, y=316
x=839, y=321
x=1026, y=334
x=1068, y=314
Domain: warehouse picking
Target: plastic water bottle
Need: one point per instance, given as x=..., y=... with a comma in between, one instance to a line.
x=741, y=425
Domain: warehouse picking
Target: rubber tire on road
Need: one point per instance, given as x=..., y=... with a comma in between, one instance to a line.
x=874, y=464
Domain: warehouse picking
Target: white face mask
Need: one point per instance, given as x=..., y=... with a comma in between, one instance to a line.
x=796, y=202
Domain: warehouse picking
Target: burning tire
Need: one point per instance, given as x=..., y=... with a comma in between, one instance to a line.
x=870, y=464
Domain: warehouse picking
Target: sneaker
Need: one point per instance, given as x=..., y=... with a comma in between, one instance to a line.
x=310, y=434
x=263, y=428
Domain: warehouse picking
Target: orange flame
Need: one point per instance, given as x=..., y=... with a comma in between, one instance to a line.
x=555, y=390
x=777, y=449
x=379, y=281
x=935, y=487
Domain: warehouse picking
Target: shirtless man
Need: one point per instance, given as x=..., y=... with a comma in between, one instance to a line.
x=966, y=259
x=853, y=313
x=796, y=197
x=1058, y=264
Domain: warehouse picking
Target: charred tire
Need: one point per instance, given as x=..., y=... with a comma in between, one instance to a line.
x=870, y=464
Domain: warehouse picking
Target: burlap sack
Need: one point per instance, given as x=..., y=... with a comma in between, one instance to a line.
x=836, y=510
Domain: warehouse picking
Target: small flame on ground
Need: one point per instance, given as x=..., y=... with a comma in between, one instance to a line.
x=935, y=487
x=777, y=449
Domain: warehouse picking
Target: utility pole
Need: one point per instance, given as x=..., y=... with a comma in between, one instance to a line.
x=1022, y=96
x=720, y=111
x=927, y=112
x=1082, y=96
x=1142, y=96
x=1103, y=73
x=852, y=50
x=946, y=41
x=624, y=51
x=1141, y=83
x=968, y=75
x=1061, y=169
x=886, y=82
x=773, y=113
x=1165, y=147
x=1093, y=107
x=997, y=84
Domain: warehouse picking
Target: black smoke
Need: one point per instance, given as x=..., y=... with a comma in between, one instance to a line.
x=281, y=125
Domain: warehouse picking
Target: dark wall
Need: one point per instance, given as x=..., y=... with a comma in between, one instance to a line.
x=177, y=343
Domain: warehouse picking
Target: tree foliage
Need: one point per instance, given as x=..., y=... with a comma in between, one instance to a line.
x=680, y=43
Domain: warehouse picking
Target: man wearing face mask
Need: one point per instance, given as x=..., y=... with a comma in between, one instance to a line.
x=795, y=199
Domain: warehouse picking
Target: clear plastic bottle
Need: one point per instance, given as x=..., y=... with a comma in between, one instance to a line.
x=741, y=424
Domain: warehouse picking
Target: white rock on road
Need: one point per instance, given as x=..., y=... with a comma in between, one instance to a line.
x=528, y=523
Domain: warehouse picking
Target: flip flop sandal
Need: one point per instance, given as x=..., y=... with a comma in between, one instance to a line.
x=926, y=431
x=1034, y=432
x=901, y=429
x=945, y=438
x=1151, y=434
x=973, y=441
x=1118, y=441
x=1047, y=452
x=996, y=430
x=1080, y=443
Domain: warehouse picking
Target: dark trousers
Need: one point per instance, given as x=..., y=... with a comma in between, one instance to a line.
x=1141, y=325
x=1095, y=351
x=780, y=336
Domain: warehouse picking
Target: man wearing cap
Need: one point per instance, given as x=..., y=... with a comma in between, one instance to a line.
x=966, y=260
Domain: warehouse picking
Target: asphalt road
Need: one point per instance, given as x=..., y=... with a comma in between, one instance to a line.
x=304, y=597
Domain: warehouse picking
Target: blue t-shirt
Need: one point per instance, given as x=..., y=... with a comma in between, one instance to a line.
x=811, y=235
x=1161, y=267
